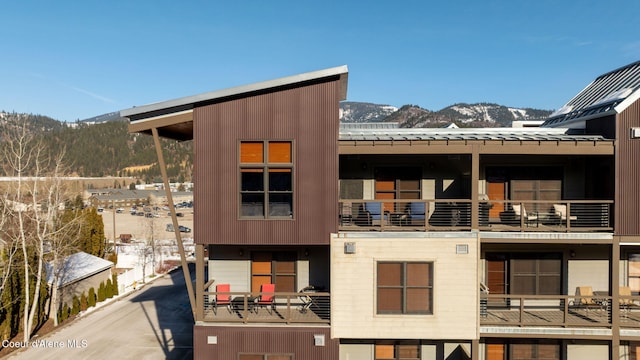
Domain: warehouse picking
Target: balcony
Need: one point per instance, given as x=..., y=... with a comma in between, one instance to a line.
x=556, y=311
x=457, y=214
x=287, y=308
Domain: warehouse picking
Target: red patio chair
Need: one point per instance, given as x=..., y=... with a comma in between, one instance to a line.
x=267, y=298
x=223, y=298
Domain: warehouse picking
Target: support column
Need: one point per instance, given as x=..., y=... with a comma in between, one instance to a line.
x=200, y=300
x=475, y=179
x=615, y=298
x=475, y=349
x=174, y=218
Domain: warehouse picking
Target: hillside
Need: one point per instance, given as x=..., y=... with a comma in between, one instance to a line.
x=102, y=146
x=105, y=149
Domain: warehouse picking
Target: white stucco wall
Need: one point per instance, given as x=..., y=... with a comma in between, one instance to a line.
x=353, y=291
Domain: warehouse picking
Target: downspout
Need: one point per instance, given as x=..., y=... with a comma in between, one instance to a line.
x=174, y=220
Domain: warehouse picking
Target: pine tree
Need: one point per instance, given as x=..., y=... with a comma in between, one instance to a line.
x=91, y=301
x=101, y=293
x=83, y=302
x=116, y=291
x=75, y=308
x=109, y=289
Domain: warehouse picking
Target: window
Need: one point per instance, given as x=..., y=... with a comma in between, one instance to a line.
x=536, y=274
x=523, y=350
x=397, y=351
x=266, y=179
x=634, y=273
x=277, y=268
x=397, y=183
x=537, y=350
x=405, y=287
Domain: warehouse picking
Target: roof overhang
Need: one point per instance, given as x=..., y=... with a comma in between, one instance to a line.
x=538, y=141
x=174, y=118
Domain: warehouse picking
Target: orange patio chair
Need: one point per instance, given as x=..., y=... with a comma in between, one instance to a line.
x=267, y=298
x=222, y=298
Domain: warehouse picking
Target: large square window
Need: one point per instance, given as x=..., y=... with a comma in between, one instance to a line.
x=405, y=287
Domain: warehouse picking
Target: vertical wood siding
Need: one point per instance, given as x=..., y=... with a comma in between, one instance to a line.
x=627, y=197
x=308, y=115
x=233, y=340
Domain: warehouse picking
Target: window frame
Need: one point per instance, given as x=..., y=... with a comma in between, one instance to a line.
x=403, y=286
x=397, y=345
x=266, y=167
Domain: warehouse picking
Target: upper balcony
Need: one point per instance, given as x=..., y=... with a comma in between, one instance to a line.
x=490, y=192
x=282, y=308
x=462, y=214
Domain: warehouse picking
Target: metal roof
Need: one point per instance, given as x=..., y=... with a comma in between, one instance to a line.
x=189, y=102
x=608, y=94
x=515, y=134
x=77, y=267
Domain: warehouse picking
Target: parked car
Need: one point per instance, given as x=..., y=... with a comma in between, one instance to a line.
x=119, y=210
x=182, y=228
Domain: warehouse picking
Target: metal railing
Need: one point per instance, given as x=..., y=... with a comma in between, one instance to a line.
x=493, y=215
x=557, y=310
x=287, y=308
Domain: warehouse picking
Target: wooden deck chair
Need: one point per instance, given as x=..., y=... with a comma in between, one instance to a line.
x=519, y=210
x=626, y=302
x=267, y=298
x=584, y=298
x=223, y=298
x=560, y=211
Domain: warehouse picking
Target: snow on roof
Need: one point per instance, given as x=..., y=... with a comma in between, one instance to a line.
x=608, y=94
x=528, y=133
x=77, y=267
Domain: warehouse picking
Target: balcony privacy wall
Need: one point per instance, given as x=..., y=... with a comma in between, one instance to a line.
x=627, y=197
x=306, y=115
x=232, y=340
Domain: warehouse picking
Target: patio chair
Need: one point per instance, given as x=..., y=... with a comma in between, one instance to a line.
x=222, y=298
x=521, y=212
x=584, y=298
x=266, y=298
x=417, y=212
x=626, y=302
x=374, y=212
x=560, y=212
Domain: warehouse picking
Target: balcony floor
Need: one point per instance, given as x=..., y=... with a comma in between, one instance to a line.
x=281, y=314
x=580, y=317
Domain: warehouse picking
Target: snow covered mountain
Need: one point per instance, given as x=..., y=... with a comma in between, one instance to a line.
x=465, y=115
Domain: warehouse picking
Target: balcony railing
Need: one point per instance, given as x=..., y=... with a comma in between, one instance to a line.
x=494, y=215
x=287, y=308
x=556, y=311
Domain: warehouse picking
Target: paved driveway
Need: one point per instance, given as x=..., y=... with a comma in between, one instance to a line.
x=154, y=322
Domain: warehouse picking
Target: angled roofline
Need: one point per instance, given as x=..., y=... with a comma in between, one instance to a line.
x=611, y=92
x=189, y=102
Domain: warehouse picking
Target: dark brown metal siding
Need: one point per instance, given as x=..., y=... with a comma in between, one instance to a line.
x=627, y=197
x=234, y=340
x=307, y=115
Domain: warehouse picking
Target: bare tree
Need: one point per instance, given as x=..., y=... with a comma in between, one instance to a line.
x=151, y=227
x=35, y=199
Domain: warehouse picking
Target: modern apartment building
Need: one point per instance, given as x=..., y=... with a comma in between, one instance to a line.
x=329, y=242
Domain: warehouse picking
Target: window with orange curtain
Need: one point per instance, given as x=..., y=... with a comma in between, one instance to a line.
x=397, y=350
x=266, y=179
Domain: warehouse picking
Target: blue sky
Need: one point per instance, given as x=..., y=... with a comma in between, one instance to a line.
x=77, y=59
